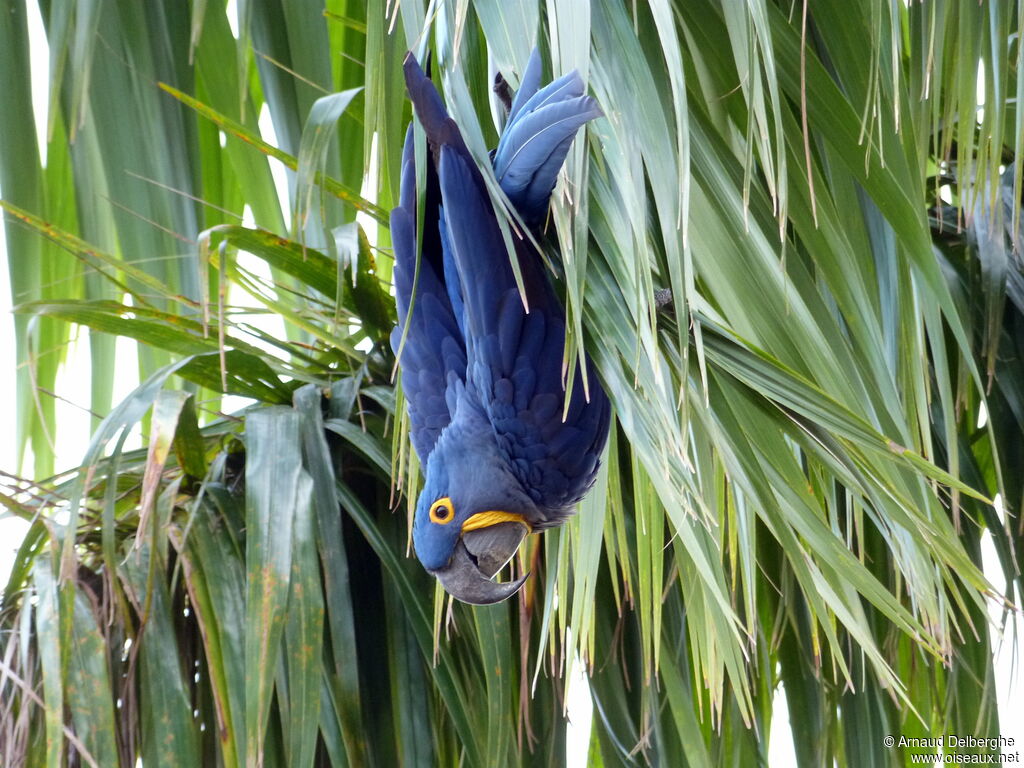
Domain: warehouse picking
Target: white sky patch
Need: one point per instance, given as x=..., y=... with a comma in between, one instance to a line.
x=580, y=710
x=780, y=738
x=277, y=170
x=980, y=91
x=248, y=220
x=72, y=407
x=231, y=9
x=369, y=192
x=126, y=380
x=235, y=403
x=39, y=63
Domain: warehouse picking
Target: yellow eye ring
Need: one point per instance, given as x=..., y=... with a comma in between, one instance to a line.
x=441, y=511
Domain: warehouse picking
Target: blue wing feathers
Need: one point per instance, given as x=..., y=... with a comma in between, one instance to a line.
x=536, y=140
x=430, y=110
x=510, y=326
x=524, y=383
x=469, y=334
x=451, y=276
x=477, y=247
x=533, y=136
x=528, y=86
x=433, y=343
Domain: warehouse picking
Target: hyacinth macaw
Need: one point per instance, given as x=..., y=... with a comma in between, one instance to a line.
x=482, y=374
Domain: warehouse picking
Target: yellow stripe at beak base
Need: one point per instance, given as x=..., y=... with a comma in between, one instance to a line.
x=487, y=519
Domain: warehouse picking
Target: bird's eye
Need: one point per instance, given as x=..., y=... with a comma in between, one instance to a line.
x=441, y=511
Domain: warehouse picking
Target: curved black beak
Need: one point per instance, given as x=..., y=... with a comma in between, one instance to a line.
x=478, y=556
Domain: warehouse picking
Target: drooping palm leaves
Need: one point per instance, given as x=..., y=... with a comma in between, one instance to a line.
x=798, y=483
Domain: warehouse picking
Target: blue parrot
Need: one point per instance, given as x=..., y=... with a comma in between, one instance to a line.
x=481, y=372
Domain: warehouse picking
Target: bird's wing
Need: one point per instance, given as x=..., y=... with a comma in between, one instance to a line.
x=433, y=355
x=528, y=85
x=514, y=357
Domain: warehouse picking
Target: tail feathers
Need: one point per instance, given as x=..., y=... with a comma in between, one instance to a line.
x=529, y=85
x=537, y=138
x=533, y=146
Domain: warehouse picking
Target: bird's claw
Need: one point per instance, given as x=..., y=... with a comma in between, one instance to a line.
x=503, y=91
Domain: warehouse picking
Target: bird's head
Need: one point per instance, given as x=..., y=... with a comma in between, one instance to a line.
x=467, y=527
